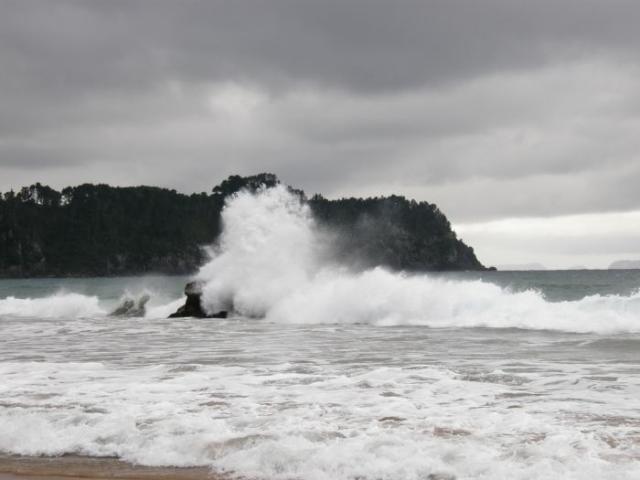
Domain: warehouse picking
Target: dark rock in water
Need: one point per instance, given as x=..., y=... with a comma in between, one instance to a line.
x=130, y=308
x=193, y=306
x=125, y=307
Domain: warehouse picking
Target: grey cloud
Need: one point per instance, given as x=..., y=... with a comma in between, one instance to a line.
x=490, y=109
x=498, y=126
x=540, y=195
x=353, y=44
x=35, y=157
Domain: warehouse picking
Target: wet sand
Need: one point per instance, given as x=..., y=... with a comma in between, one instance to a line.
x=71, y=467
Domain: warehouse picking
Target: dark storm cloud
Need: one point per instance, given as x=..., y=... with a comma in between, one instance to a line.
x=489, y=108
x=69, y=46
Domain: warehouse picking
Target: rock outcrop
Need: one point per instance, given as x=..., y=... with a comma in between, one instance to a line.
x=193, y=305
x=131, y=308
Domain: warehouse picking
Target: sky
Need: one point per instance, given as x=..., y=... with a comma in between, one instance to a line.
x=519, y=119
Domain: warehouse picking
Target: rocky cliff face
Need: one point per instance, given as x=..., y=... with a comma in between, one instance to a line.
x=98, y=230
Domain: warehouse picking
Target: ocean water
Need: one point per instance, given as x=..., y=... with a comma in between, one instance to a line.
x=327, y=373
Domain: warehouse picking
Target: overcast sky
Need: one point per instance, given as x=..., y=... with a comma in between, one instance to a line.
x=520, y=119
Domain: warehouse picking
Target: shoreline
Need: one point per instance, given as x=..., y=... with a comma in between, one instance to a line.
x=76, y=467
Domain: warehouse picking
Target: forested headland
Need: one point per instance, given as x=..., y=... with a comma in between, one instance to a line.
x=100, y=230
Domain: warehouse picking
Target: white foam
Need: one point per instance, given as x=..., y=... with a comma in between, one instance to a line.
x=164, y=310
x=267, y=248
x=267, y=265
x=384, y=298
x=335, y=422
x=55, y=306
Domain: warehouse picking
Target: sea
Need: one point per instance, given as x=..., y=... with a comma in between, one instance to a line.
x=322, y=372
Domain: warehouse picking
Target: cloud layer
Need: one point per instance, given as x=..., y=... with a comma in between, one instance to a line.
x=493, y=110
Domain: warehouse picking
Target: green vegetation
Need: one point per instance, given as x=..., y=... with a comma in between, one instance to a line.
x=97, y=230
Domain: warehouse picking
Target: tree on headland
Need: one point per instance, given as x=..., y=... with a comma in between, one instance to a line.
x=97, y=230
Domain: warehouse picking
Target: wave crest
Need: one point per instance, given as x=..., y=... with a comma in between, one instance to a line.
x=55, y=306
x=268, y=264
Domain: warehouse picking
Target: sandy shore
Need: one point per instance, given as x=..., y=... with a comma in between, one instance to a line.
x=71, y=467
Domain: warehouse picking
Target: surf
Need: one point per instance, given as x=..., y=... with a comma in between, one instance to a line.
x=273, y=263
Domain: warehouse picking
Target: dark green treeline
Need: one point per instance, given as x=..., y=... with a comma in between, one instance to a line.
x=98, y=230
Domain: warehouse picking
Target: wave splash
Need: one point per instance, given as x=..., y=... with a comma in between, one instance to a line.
x=269, y=263
x=55, y=306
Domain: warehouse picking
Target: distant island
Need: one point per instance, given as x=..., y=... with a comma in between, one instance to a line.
x=625, y=265
x=100, y=230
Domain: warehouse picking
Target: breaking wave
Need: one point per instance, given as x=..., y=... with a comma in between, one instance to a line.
x=269, y=264
x=55, y=306
x=76, y=305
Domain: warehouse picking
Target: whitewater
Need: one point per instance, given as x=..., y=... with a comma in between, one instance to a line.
x=328, y=372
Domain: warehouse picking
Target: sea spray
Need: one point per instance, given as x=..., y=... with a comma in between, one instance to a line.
x=267, y=249
x=269, y=263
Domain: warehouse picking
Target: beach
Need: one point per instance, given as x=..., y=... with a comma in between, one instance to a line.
x=74, y=467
